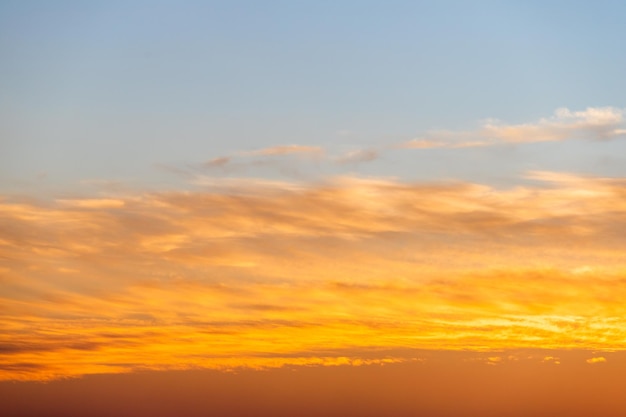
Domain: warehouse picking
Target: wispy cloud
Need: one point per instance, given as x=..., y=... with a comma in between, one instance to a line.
x=94, y=203
x=259, y=274
x=594, y=123
x=360, y=155
x=287, y=150
x=287, y=159
x=218, y=162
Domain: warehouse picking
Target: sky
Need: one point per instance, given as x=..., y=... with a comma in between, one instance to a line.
x=348, y=208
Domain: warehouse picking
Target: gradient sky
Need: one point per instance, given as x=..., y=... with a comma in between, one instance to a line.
x=312, y=197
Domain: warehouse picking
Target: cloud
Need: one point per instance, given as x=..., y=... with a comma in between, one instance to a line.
x=304, y=161
x=425, y=144
x=597, y=359
x=592, y=123
x=431, y=144
x=287, y=159
x=262, y=274
x=287, y=150
x=360, y=155
x=218, y=162
x=595, y=123
x=93, y=203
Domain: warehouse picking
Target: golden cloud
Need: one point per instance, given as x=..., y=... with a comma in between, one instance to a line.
x=260, y=274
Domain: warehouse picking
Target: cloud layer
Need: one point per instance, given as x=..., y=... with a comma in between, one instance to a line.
x=351, y=270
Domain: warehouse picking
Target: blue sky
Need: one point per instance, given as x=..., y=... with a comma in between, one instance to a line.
x=119, y=90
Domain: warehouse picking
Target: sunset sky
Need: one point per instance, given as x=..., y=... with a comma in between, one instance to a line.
x=250, y=208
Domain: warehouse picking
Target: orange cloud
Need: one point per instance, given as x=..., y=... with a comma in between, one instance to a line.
x=288, y=149
x=262, y=274
x=592, y=123
x=94, y=203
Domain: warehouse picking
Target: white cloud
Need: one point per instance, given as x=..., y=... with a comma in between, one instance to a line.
x=596, y=123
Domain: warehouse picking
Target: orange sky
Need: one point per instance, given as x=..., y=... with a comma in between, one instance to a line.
x=255, y=274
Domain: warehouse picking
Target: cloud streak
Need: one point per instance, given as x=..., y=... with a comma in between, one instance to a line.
x=259, y=274
x=287, y=150
x=595, y=123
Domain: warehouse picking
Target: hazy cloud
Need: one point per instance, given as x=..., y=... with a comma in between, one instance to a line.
x=218, y=162
x=287, y=149
x=286, y=159
x=360, y=155
x=94, y=203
